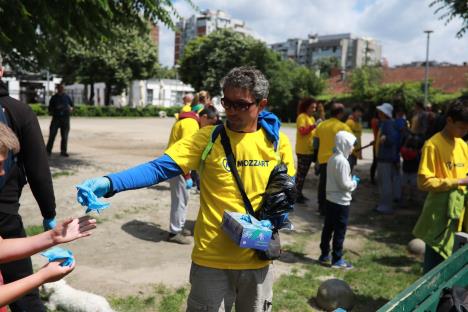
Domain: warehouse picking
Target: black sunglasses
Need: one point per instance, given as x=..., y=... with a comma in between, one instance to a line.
x=238, y=105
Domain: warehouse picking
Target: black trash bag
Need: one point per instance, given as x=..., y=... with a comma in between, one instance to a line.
x=453, y=300
x=280, y=194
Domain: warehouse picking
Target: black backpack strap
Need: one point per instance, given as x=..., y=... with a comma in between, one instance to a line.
x=231, y=160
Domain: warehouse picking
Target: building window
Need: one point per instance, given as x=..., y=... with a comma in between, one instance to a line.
x=149, y=96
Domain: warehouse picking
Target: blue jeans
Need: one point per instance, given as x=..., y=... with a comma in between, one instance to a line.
x=335, y=224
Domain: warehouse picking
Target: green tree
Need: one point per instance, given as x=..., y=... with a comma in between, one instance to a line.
x=364, y=82
x=451, y=9
x=326, y=64
x=32, y=32
x=130, y=55
x=208, y=59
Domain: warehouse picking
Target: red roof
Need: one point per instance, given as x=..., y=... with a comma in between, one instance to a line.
x=449, y=79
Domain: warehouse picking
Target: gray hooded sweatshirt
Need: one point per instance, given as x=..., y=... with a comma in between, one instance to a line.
x=339, y=181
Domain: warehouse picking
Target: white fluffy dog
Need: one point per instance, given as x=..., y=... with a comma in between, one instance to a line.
x=64, y=297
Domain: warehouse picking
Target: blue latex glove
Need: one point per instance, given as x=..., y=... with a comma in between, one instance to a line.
x=58, y=253
x=188, y=184
x=356, y=179
x=90, y=190
x=49, y=224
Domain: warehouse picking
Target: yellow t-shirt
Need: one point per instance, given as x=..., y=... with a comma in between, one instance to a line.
x=304, y=142
x=356, y=129
x=442, y=164
x=256, y=159
x=181, y=129
x=326, y=132
x=186, y=108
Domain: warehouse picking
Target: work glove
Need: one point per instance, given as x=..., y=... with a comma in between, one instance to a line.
x=356, y=179
x=49, y=224
x=188, y=184
x=99, y=186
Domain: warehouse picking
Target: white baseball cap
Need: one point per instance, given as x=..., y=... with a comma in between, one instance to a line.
x=387, y=109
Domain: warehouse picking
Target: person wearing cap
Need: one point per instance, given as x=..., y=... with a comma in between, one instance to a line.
x=324, y=138
x=388, y=159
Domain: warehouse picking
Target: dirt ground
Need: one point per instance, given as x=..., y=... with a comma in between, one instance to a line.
x=128, y=253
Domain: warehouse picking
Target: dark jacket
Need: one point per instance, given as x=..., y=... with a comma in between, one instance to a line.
x=60, y=105
x=389, y=150
x=32, y=164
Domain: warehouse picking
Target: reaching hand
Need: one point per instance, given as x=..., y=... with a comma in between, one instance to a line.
x=53, y=271
x=99, y=186
x=72, y=229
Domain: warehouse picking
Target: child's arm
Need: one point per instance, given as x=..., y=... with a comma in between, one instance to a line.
x=51, y=272
x=343, y=177
x=69, y=230
x=427, y=179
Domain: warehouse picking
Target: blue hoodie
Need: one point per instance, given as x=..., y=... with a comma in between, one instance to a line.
x=164, y=168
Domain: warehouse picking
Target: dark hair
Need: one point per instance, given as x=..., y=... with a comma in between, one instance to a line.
x=210, y=112
x=458, y=111
x=247, y=78
x=304, y=104
x=336, y=109
x=358, y=108
x=419, y=104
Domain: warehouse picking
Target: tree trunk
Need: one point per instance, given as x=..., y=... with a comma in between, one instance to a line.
x=91, y=94
x=107, y=95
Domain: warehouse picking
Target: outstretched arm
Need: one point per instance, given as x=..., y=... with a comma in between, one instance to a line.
x=67, y=231
x=51, y=272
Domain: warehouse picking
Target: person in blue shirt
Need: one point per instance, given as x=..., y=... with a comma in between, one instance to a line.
x=388, y=159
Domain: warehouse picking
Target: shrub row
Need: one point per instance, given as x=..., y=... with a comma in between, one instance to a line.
x=111, y=111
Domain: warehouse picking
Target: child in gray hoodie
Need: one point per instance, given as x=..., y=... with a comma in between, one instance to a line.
x=340, y=184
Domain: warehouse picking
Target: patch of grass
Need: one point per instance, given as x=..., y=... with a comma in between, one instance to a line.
x=164, y=299
x=62, y=174
x=34, y=230
x=381, y=270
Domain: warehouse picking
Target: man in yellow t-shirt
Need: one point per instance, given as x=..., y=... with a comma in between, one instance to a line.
x=324, y=137
x=185, y=126
x=354, y=123
x=187, y=106
x=443, y=168
x=222, y=273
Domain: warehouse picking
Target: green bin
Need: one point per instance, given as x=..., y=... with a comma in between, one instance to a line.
x=423, y=295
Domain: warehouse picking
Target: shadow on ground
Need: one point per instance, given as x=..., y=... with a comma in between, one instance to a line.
x=147, y=231
x=67, y=163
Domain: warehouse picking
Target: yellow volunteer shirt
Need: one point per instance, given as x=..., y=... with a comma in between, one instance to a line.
x=256, y=159
x=442, y=164
x=356, y=129
x=186, y=108
x=304, y=142
x=326, y=132
x=181, y=129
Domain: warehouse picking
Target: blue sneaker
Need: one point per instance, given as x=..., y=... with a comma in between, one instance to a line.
x=324, y=260
x=341, y=264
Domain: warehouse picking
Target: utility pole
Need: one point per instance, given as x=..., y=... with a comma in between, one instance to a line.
x=426, y=72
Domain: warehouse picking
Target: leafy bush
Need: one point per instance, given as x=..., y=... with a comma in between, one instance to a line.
x=83, y=110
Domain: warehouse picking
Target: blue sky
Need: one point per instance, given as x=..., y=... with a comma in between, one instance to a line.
x=397, y=24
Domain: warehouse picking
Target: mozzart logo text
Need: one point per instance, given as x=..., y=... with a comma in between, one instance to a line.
x=246, y=163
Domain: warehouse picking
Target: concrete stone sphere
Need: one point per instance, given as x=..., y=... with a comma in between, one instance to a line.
x=416, y=247
x=333, y=294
